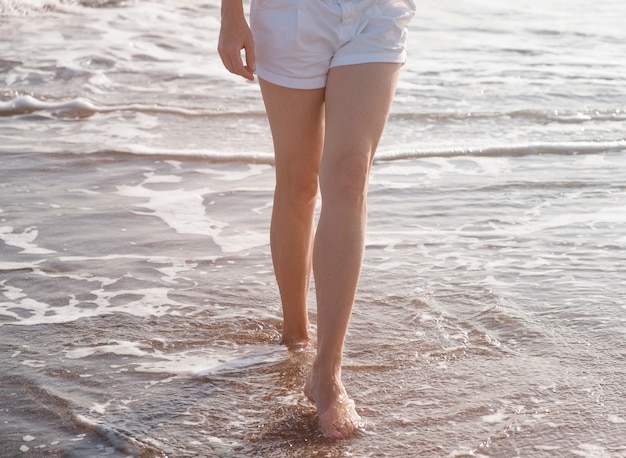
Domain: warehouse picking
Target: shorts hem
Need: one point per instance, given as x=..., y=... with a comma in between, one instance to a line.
x=372, y=58
x=317, y=82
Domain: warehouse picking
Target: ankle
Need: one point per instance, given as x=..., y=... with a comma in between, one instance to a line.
x=327, y=369
x=295, y=337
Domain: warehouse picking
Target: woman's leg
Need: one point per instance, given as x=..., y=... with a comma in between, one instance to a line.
x=297, y=122
x=358, y=99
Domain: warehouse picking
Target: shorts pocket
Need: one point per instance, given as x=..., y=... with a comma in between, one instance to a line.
x=401, y=11
x=276, y=14
x=257, y=7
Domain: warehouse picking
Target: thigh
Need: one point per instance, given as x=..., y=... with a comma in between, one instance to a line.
x=358, y=100
x=296, y=118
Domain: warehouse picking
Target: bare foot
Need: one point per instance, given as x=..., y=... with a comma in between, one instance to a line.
x=336, y=411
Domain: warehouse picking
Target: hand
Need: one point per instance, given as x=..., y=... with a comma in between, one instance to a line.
x=235, y=35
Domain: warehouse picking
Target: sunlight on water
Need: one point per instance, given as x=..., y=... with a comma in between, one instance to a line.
x=139, y=313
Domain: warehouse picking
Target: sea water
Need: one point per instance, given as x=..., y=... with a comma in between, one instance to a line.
x=139, y=314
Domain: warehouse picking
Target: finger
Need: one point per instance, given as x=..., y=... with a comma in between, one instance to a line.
x=250, y=56
x=232, y=60
x=239, y=68
x=233, y=63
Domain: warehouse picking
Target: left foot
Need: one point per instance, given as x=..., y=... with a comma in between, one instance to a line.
x=336, y=411
x=293, y=341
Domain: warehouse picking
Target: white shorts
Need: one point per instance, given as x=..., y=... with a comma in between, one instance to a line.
x=297, y=42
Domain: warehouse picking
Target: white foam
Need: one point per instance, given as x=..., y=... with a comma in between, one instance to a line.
x=591, y=451
x=27, y=104
x=18, y=300
x=495, y=417
x=547, y=448
x=181, y=210
x=11, y=292
x=21, y=7
x=502, y=150
x=84, y=106
x=172, y=272
x=83, y=191
x=251, y=157
x=151, y=178
x=230, y=175
x=615, y=214
x=241, y=241
x=615, y=419
x=122, y=348
x=152, y=302
x=16, y=304
x=99, y=407
x=184, y=211
x=211, y=360
x=113, y=257
x=23, y=240
x=33, y=363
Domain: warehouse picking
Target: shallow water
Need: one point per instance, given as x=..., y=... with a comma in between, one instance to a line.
x=138, y=310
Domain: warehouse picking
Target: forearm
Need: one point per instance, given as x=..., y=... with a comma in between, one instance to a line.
x=232, y=9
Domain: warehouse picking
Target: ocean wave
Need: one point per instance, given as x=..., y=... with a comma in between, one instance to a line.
x=486, y=150
x=538, y=116
x=27, y=7
x=79, y=108
x=253, y=157
x=83, y=108
x=21, y=7
x=507, y=150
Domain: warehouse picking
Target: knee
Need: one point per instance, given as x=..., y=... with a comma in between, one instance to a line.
x=345, y=180
x=298, y=188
